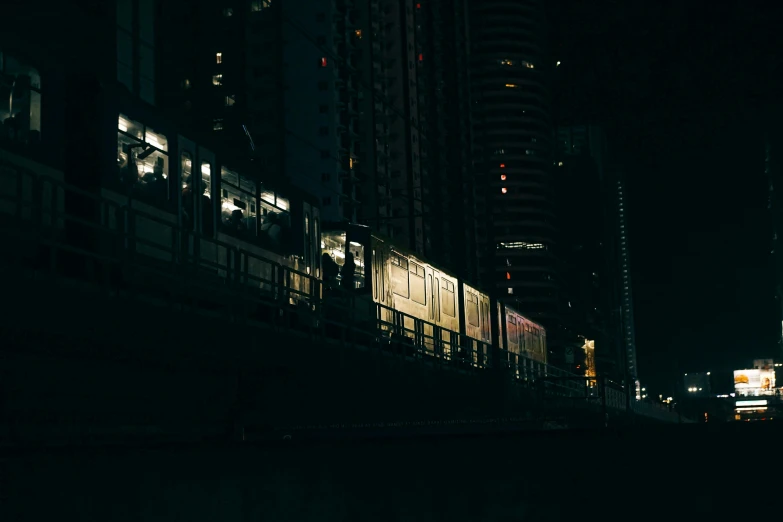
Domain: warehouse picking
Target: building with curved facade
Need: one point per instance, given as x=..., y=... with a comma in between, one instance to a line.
x=513, y=143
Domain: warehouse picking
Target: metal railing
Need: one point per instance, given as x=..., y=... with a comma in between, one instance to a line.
x=136, y=252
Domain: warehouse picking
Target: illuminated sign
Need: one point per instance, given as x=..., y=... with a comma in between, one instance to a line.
x=751, y=403
x=754, y=382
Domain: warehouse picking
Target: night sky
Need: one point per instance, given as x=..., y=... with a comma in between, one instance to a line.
x=682, y=88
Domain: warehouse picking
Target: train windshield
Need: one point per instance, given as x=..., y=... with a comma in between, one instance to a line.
x=335, y=243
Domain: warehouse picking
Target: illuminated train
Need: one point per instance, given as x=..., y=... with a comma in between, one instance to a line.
x=171, y=200
x=404, y=287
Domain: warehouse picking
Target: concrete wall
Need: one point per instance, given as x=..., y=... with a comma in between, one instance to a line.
x=80, y=364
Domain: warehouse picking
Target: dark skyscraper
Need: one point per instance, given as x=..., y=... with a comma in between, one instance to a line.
x=512, y=137
x=444, y=116
x=597, y=299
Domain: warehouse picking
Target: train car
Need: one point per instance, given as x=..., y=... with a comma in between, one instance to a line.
x=197, y=207
x=407, y=283
x=398, y=287
x=523, y=337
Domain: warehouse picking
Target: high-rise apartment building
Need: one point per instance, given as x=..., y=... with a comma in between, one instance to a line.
x=512, y=139
x=352, y=101
x=445, y=120
x=321, y=103
x=220, y=75
x=392, y=167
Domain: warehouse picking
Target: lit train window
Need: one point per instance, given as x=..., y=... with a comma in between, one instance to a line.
x=399, y=275
x=447, y=298
x=399, y=261
x=418, y=286
x=142, y=158
x=472, y=309
x=417, y=270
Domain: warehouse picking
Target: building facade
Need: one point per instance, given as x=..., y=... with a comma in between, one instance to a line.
x=448, y=192
x=596, y=298
x=512, y=144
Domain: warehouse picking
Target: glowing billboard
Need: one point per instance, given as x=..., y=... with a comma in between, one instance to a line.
x=754, y=382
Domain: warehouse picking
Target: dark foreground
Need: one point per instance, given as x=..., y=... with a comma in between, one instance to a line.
x=678, y=472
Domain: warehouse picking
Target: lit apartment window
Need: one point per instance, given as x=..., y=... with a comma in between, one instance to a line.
x=528, y=65
x=358, y=33
x=186, y=83
x=504, y=190
x=217, y=79
x=218, y=57
x=217, y=124
x=230, y=100
x=512, y=85
x=323, y=61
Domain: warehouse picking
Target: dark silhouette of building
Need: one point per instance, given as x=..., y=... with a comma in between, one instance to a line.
x=597, y=299
x=445, y=119
x=512, y=139
x=773, y=169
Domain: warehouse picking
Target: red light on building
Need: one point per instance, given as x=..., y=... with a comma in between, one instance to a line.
x=508, y=275
x=502, y=165
x=421, y=57
x=418, y=6
x=504, y=190
x=323, y=62
x=502, y=177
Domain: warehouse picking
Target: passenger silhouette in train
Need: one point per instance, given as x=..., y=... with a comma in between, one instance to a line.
x=154, y=188
x=160, y=186
x=236, y=223
x=129, y=170
x=347, y=272
x=271, y=230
